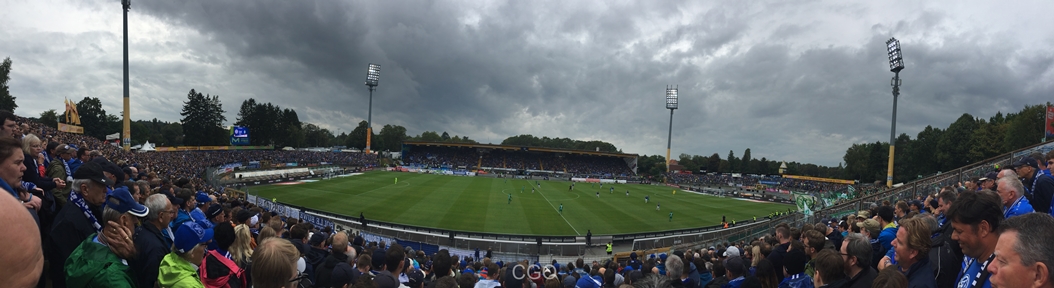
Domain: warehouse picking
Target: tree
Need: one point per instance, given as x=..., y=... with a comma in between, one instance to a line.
x=357, y=138
x=7, y=102
x=429, y=136
x=445, y=136
x=732, y=163
x=203, y=120
x=1026, y=127
x=392, y=137
x=49, y=118
x=713, y=164
x=93, y=117
x=745, y=167
x=953, y=148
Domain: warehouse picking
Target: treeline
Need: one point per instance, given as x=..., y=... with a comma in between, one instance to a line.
x=559, y=143
x=967, y=140
x=654, y=165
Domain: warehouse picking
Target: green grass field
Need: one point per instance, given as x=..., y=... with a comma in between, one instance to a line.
x=481, y=204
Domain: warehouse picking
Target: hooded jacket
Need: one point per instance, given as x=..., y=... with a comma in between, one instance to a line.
x=178, y=273
x=93, y=265
x=325, y=271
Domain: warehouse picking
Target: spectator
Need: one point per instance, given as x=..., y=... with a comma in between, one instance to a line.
x=274, y=265
x=219, y=269
x=891, y=278
x=975, y=217
x=10, y=125
x=912, y=246
x=1038, y=186
x=197, y=214
x=988, y=181
x=889, y=228
x=60, y=170
x=152, y=240
x=783, y=235
x=22, y=253
x=76, y=222
x=79, y=159
x=1013, y=201
x=1024, y=256
x=393, y=266
x=857, y=255
x=339, y=253
x=35, y=166
x=870, y=229
x=766, y=274
x=794, y=266
x=183, y=213
x=317, y=254
x=11, y=174
x=101, y=260
x=179, y=268
x=814, y=242
x=830, y=269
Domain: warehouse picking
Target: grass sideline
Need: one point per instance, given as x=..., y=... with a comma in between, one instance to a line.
x=481, y=204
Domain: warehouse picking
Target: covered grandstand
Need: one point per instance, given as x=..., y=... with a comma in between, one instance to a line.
x=519, y=160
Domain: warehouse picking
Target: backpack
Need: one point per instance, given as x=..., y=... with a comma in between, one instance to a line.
x=218, y=271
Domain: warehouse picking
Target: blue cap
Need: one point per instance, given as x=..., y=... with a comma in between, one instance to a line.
x=191, y=234
x=121, y=200
x=662, y=256
x=202, y=198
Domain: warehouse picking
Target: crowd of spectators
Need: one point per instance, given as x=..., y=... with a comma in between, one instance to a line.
x=774, y=182
x=471, y=158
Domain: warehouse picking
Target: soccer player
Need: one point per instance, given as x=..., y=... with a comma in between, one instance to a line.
x=645, y=199
x=598, y=194
x=510, y=199
x=561, y=207
x=627, y=193
x=572, y=187
x=612, y=190
x=657, y=206
x=671, y=217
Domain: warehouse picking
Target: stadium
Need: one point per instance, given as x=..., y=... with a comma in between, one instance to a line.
x=311, y=182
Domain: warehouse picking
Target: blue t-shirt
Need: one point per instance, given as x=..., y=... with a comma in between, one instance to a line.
x=799, y=280
x=886, y=237
x=970, y=270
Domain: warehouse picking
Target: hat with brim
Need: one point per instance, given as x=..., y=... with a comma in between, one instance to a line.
x=189, y=235
x=1025, y=161
x=121, y=200
x=93, y=171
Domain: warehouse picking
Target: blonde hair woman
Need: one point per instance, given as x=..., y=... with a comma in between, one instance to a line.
x=241, y=250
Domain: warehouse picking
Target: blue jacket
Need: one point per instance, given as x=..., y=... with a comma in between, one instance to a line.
x=74, y=164
x=181, y=216
x=920, y=275
x=1018, y=208
x=886, y=237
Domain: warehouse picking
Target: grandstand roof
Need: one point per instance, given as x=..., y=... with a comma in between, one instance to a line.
x=521, y=148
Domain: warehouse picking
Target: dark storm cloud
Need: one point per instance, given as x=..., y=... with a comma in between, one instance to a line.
x=794, y=81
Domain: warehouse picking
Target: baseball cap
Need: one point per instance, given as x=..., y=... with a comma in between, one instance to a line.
x=416, y=277
x=176, y=201
x=736, y=265
x=213, y=211
x=317, y=239
x=92, y=171
x=341, y=274
x=989, y=176
x=731, y=252
x=191, y=234
x=202, y=198
x=378, y=259
x=121, y=200
x=863, y=214
x=243, y=216
x=663, y=256
x=108, y=167
x=870, y=225
x=1025, y=161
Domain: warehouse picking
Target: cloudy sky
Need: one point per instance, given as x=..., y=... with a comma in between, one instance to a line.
x=793, y=80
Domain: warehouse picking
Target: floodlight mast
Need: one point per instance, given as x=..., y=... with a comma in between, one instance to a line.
x=896, y=63
x=126, y=140
x=671, y=103
x=373, y=75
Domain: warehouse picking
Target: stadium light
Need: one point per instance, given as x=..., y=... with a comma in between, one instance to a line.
x=126, y=141
x=373, y=75
x=896, y=63
x=671, y=103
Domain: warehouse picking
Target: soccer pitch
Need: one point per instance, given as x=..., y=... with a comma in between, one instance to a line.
x=481, y=204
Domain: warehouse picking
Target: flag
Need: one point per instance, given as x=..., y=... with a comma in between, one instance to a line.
x=113, y=136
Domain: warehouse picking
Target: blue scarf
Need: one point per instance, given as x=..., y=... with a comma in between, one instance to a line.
x=77, y=199
x=6, y=187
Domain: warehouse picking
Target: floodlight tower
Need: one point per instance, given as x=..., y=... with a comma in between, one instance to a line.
x=671, y=103
x=373, y=75
x=126, y=140
x=896, y=63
